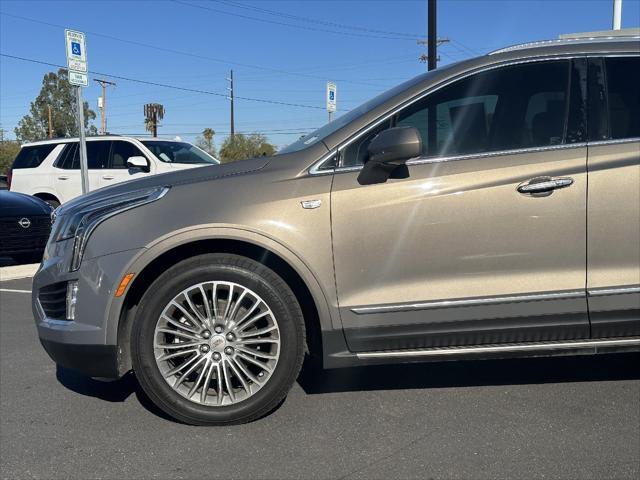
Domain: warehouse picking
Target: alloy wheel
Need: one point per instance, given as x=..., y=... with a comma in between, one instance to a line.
x=216, y=343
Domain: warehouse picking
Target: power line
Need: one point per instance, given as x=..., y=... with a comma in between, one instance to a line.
x=317, y=21
x=175, y=87
x=187, y=54
x=292, y=25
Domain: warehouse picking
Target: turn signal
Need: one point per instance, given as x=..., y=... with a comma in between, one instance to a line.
x=124, y=283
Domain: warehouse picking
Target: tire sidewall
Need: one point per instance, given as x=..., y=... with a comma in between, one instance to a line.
x=258, y=279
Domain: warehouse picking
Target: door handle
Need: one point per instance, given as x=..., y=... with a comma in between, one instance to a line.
x=63, y=177
x=544, y=186
x=108, y=177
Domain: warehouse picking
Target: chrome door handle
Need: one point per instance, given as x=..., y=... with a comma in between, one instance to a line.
x=108, y=177
x=544, y=185
x=63, y=177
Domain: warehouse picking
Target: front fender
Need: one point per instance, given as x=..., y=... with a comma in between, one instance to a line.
x=325, y=301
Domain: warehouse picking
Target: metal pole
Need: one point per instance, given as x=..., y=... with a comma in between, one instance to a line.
x=431, y=36
x=617, y=14
x=84, y=171
x=330, y=116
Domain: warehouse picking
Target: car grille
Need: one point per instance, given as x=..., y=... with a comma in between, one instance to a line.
x=14, y=238
x=53, y=299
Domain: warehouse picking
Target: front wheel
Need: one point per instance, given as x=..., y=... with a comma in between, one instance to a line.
x=218, y=340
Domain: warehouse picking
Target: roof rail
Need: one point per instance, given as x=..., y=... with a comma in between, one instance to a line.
x=625, y=34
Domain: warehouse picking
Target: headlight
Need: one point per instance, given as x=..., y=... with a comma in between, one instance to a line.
x=80, y=220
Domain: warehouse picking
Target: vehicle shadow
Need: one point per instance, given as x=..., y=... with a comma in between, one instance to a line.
x=471, y=373
x=110, y=391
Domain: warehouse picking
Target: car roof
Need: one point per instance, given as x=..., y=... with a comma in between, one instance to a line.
x=60, y=140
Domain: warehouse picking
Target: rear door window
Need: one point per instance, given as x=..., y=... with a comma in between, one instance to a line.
x=32, y=156
x=68, y=160
x=623, y=82
x=98, y=154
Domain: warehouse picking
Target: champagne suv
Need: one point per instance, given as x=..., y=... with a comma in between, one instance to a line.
x=490, y=208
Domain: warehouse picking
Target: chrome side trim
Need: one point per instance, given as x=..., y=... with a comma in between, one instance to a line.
x=613, y=142
x=601, y=292
x=468, y=302
x=531, y=347
x=421, y=161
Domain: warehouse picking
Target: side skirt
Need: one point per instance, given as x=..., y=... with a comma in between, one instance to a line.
x=538, y=349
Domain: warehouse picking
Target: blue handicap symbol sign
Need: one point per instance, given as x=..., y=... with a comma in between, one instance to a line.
x=75, y=48
x=331, y=95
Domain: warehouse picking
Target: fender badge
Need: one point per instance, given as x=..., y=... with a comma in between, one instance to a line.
x=311, y=204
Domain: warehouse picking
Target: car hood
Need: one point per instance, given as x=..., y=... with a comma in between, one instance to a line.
x=178, y=177
x=14, y=204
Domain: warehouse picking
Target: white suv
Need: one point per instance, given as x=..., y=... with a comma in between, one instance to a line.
x=50, y=169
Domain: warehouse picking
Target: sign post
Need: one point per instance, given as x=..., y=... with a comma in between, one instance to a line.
x=78, y=76
x=331, y=99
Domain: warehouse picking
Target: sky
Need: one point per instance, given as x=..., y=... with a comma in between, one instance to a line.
x=282, y=54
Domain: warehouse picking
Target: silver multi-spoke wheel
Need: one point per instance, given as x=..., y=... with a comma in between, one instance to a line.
x=217, y=343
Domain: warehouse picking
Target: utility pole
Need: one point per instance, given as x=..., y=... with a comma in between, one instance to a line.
x=432, y=38
x=617, y=14
x=230, y=80
x=152, y=113
x=102, y=104
x=50, y=125
x=432, y=64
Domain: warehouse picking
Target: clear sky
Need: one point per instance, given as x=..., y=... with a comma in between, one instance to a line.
x=280, y=51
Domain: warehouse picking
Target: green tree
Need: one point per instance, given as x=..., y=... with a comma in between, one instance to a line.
x=242, y=146
x=57, y=92
x=206, y=143
x=8, y=151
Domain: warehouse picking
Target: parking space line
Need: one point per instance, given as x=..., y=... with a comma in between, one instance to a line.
x=13, y=290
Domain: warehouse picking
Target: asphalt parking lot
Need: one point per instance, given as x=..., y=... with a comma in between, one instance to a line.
x=569, y=417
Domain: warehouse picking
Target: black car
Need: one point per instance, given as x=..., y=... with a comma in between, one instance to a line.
x=25, y=223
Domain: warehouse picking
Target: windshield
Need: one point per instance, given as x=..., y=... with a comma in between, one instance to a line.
x=178, y=152
x=338, y=123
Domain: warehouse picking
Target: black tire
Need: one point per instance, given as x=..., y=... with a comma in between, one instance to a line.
x=231, y=268
x=52, y=202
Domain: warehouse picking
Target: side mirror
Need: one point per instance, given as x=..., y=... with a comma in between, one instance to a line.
x=138, y=162
x=388, y=152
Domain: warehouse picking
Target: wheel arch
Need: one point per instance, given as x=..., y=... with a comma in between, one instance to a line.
x=312, y=300
x=42, y=195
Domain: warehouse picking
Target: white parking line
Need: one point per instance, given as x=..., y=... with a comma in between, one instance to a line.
x=11, y=290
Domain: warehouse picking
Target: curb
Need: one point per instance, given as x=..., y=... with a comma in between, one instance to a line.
x=18, y=271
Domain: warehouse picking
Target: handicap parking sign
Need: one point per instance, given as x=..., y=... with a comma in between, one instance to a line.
x=75, y=48
x=332, y=95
